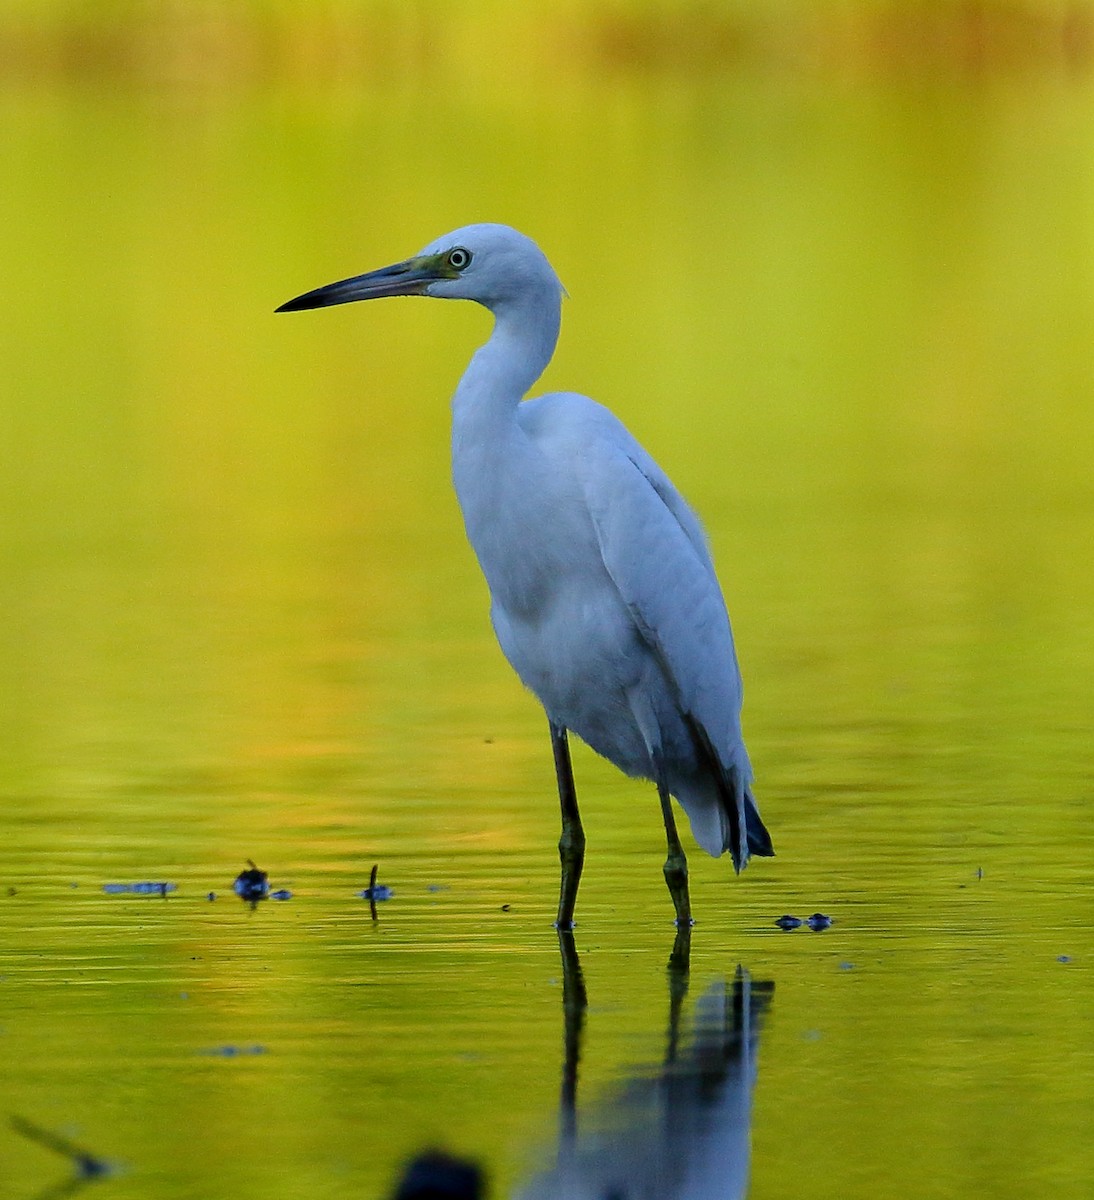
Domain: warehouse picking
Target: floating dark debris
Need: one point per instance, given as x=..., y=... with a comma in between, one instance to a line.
x=816, y=922
x=375, y=891
x=281, y=894
x=234, y=1051
x=252, y=884
x=87, y=1166
x=140, y=889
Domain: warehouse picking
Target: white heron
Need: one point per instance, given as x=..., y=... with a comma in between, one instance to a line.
x=603, y=594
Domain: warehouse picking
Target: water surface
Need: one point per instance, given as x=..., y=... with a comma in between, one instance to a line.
x=852, y=316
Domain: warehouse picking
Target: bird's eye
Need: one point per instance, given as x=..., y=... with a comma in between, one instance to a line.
x=459, y=258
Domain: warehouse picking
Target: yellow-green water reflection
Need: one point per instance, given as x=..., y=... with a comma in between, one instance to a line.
x=852, y=317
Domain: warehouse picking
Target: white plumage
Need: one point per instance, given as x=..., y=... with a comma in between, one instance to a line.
x=603, y=594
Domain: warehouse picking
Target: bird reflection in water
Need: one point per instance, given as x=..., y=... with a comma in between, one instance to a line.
x=681, y=1130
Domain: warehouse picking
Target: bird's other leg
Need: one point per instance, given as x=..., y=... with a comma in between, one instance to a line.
x=571, y=845
x=676, y=865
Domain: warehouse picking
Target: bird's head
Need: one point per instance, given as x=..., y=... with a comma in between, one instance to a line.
x=491, y=264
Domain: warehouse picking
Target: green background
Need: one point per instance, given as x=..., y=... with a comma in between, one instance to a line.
x=833, y=267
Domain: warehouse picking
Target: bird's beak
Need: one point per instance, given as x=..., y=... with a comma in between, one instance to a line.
x=409, y=278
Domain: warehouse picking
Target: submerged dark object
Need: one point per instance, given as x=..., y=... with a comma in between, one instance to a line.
x=252, y=884
x=439, y=1176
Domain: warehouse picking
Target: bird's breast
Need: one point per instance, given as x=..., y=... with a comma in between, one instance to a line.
x=557, y=613
x=525, y=519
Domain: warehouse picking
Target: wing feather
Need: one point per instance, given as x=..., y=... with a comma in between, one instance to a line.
x=667, y=581
x=653, y=549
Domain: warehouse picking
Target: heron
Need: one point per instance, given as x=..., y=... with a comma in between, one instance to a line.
x=603, y=593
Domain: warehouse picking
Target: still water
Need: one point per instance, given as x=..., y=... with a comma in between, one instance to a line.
x=853, y=317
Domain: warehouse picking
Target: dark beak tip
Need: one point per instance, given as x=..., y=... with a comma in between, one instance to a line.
x=297, y=304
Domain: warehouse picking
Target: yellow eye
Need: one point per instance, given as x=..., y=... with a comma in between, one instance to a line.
x=458, y=258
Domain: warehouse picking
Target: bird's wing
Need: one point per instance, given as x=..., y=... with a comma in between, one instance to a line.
x=654, y=550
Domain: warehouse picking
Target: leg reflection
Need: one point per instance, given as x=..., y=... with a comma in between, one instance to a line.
x=678, y=973
x=678, y=1129
x=575, y=1002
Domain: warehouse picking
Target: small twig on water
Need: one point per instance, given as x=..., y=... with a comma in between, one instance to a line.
x=86, y=1164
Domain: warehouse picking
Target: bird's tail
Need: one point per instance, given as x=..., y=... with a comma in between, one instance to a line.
x=744, y=832
x=759, y=840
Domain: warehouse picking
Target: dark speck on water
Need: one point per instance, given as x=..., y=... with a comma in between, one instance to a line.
x=281, y=894
x=789, y=922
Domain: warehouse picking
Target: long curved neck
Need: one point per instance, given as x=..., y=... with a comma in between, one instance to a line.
x=489, y=449
x=502, y=371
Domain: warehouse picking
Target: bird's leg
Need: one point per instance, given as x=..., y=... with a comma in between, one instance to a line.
x=676, y=865
x=571, y=845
